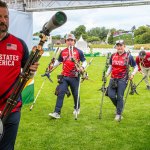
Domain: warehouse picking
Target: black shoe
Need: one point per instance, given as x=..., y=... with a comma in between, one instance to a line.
x=148, y=87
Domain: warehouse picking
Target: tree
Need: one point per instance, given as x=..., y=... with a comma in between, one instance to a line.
x=92, y=39
x=143, y=39
x=141, y=30
x=142, y=35
x=79, y=31
x=111, y=38
x=36, y=34
x=85, y=36
x=101, y=33
x=146, y=38
x=56, y=37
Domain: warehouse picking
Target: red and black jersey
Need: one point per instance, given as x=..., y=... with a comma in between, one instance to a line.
x=69, y=68
x=143, y=62
x=13, y=56
x=120, y=65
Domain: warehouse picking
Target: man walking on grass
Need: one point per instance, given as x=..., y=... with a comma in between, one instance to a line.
x=119, y=70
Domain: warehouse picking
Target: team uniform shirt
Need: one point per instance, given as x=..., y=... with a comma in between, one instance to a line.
x=144, y=63
x=120, y=65
x=69, y=68
x=13, y=56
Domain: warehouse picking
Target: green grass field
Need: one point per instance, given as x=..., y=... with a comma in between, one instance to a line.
x=38, y=131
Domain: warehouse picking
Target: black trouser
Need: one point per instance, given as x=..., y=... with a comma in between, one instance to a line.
x=10, y=131
x=63, y=87
x=116, y=94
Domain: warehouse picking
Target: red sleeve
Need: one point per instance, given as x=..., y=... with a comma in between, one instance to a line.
x=138, y=63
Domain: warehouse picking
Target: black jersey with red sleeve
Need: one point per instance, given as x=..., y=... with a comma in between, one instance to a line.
x=65, y=57
x=13, y=56
x=120, y=64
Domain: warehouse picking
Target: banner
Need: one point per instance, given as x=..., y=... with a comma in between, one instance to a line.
x=21, y=25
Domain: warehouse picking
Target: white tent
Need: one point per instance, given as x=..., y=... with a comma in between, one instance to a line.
x=82, y=45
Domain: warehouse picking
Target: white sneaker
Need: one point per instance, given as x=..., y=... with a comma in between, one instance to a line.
x=54, y=115
x=76, y=111
x=118, y=118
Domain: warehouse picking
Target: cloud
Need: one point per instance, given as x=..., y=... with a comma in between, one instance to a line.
x=116, y=17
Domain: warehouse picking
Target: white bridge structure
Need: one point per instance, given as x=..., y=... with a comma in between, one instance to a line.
x=59, y=5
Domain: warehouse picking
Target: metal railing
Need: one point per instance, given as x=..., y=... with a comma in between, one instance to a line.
x=57, y=5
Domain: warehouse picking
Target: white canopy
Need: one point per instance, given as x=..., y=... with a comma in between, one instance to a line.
x=82, y=45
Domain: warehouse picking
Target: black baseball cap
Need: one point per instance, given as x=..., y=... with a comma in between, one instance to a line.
x=142, y=53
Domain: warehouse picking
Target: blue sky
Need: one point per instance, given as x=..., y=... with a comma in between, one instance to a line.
x=116, y=17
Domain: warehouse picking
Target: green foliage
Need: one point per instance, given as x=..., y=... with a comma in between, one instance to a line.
x=126, y=37
x=98, y=32
x=142, y=35
x=141, y=30
x=57, y=37
x=110, y=39
x=101, y=46
x=79, y=31
x=145, y=38
x=39, y=132
x=137, y=39
x=92, y=39
x=36, y=34
x=85, y=36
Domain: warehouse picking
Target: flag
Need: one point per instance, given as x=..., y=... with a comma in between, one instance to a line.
x=11, y=46
x=28, y=92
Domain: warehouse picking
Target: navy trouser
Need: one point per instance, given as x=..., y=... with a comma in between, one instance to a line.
x=116, y=94
x=10, y=131
x=74, y=84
